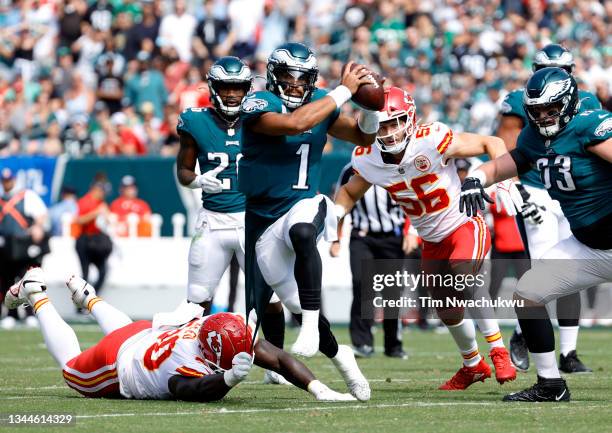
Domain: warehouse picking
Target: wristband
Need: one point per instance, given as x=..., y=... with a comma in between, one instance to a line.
x=340, y=211
x=195, y=184
x=368, y=122
x=479, y=174
x=340, y=95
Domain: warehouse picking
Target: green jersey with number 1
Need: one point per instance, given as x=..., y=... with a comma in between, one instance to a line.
x=580, y=180
x=277, y=171
x=218, y=150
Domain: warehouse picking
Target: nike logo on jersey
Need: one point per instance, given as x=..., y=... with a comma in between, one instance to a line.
x=601, y=116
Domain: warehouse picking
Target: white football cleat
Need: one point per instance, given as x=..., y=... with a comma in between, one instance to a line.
x=29, y=290
x=353, y=377
x=82, y=291
x=273, y=378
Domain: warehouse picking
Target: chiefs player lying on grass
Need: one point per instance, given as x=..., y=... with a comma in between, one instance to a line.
x=199, y=361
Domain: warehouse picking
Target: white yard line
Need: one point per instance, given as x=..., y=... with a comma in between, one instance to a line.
x=223, y=411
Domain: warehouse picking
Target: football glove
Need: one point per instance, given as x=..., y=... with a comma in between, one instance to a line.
x=508, y=197
x=530, y=211
x=209, y=182
x=241, y=365
x=472, y=197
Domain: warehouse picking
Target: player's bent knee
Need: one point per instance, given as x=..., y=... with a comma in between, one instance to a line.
x=303, y=237
x=198, y=293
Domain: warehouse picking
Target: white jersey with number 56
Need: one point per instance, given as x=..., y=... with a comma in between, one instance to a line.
x=150, y=358
x=424, y=183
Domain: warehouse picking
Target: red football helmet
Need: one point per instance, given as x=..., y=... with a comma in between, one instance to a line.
x=397, y=121
x=224, y=335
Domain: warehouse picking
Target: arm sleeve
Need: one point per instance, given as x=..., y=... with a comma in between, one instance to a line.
x=523, y=164
x=202, y=389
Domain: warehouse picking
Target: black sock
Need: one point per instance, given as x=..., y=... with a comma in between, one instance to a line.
x=308, y=267
x=328, y=345
x=537, y=329
x=568, y=310
x=273, y=327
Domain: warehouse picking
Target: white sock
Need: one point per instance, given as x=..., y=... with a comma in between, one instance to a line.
x=518, y=329
x=108, y=317
x=546, y=364
x=490, y=329
x=464, y=334
x=310, y=320
x=568, y=337
x=60, y=339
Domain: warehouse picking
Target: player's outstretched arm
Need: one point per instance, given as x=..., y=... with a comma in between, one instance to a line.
x=466, y=145
x=362, y=133
x=603, y=150
x=211, y=387
x=202, y=389
x=349, y=194
x=309, y=115
x=272, y=358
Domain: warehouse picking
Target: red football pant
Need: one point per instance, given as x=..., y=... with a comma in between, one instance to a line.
x=93, y=373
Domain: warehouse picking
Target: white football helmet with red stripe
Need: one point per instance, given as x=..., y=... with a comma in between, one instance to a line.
x=397, y=121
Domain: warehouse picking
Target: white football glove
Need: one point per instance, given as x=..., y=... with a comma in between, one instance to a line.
x=508, y=197
x=323, y=393
x=241, y=365
x=209, y=182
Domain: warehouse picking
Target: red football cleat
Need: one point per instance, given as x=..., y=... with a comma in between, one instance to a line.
x=467, y=376
x=504, y=370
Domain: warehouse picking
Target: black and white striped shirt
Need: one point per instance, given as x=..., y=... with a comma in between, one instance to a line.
x=376, y=212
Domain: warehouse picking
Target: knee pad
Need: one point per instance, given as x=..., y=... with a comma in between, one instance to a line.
x=303, y=237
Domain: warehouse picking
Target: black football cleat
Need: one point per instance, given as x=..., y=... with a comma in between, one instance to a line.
x=397, y=353
x=519, y=354
x=545, y=390
x=363, y=351
x=572, y=364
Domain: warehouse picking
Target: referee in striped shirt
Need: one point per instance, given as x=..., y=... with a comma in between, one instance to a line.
x=377, y=233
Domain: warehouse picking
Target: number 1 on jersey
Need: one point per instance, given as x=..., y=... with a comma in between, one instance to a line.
x=303, y=152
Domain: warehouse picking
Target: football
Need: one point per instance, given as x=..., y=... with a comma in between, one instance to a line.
x=370, y=96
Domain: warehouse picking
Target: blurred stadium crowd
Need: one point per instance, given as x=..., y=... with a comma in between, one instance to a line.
x=109, y=77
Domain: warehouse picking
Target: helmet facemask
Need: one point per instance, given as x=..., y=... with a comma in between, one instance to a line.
x=227, y=96
x=285, y=81
x=549, y=118
x=395, y=130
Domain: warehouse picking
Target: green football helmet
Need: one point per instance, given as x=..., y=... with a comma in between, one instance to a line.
x=228, y=71
x=554, y=55
x=551, y=100
x=292, y=65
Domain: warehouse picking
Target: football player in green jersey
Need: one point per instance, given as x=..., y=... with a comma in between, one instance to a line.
x=212, y=138
x=542, y=223
x=572, y=152
x=284, y=131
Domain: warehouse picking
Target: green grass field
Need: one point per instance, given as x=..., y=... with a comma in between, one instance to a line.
x=404, y=395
